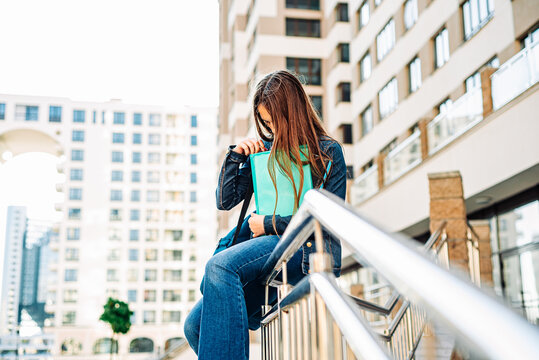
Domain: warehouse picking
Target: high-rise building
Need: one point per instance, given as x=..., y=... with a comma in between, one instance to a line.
x=11, y=280
x=409, y=87
x=138, y=216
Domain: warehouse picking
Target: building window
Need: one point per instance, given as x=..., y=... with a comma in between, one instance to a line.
x=73, y=234
x=343, y=92
x=194, y=121
x=365, y=67
x=79, y=116
x=135, y=176
x=172, y=295
x=172, y=316
x=153, y=177
x=441, y=48
x=115, y=215
x=193, y=178
x=75, y=175
x=113, y=255
x=341, y=12
x=193, y=159
x=531, y=37
x=112, y=275
x=136, y=157
x=344, y=52
x=303, y=4
x=77, y=155
x=172, y=275
x=302, y=27
x=70, y=296
x=55, y=113
x=150, y=255
x=77, y=136
x=70, y=275
x=118, y=138
x=150, y=275
x=132, y=295
x=74, y=214
x=119, y=118
x=2, y=111
x=154, y=139
x=72, y=254
x=132, y=275
x=475, y=14
x=117, y=175
x=137, y=138
x=26, y=113
x=473, y=82
x=152, y=196
x=133, y=235
x=414, y=74
x=191, y=295
x=134, y=215
x=133, y=254
x=135, y=195
x=193, y=197
x=367, y=122
x=309, y=69
x=154, y=157
x=149, y=317
x=137, y=119
x=150, y=295
x=117, y=157
x=445, y=106
x=94, y=117
x=385, y=40
x=75, y=194
x=194, y=140
x=410, y=13
x=173, y=255
x=69, y=318
x=364, y=14
x=317, y=104
x=388, y=98
x=155, y=120
x=116, y=195
x=346, y=133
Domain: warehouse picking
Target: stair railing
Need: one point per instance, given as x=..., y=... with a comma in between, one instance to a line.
x=318, y=320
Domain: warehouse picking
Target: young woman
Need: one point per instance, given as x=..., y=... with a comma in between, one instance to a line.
x=233, y=292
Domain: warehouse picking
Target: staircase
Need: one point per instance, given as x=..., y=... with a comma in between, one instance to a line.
x=423, y=310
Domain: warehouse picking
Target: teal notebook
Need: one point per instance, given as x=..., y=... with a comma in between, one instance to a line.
x=264, y=192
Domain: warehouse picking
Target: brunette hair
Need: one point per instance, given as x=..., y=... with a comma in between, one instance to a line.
x=296, y=123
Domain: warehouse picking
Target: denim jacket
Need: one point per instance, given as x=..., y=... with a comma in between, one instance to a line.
x=234, y=179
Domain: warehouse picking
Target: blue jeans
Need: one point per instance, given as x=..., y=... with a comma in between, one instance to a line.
x=217, y=327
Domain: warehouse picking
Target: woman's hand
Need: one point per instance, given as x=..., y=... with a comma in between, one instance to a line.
x=250, y=146
x=256, y=223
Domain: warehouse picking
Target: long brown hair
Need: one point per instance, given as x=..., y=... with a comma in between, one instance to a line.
x=296, y=123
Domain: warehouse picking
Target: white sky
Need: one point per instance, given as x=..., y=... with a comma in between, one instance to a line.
x=141, y=51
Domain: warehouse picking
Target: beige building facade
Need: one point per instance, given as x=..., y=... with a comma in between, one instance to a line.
x=410, y=87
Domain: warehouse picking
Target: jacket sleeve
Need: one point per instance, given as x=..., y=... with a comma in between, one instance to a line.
x=233, y=181
x=335, y=183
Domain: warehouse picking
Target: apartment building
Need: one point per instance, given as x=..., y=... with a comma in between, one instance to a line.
x=410, y=87
x=138, y=215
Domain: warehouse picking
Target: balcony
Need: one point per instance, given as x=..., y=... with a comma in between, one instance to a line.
x=365, y=185
x=463, y=115
x=515, y=76
x=403, y=158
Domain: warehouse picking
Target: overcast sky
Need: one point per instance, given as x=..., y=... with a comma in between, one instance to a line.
x=141, y=51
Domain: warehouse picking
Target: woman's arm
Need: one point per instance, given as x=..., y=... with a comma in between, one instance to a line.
x=234, y=179
x=335, y=183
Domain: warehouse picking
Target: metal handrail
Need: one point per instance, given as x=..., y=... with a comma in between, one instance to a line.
x=473, y=315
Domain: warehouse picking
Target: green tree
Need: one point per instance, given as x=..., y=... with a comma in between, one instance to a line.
x=118, y=315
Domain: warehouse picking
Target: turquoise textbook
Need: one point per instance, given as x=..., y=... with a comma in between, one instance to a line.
x=264, y=192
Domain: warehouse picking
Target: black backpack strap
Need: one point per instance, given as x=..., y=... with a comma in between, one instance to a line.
x=246, y=201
